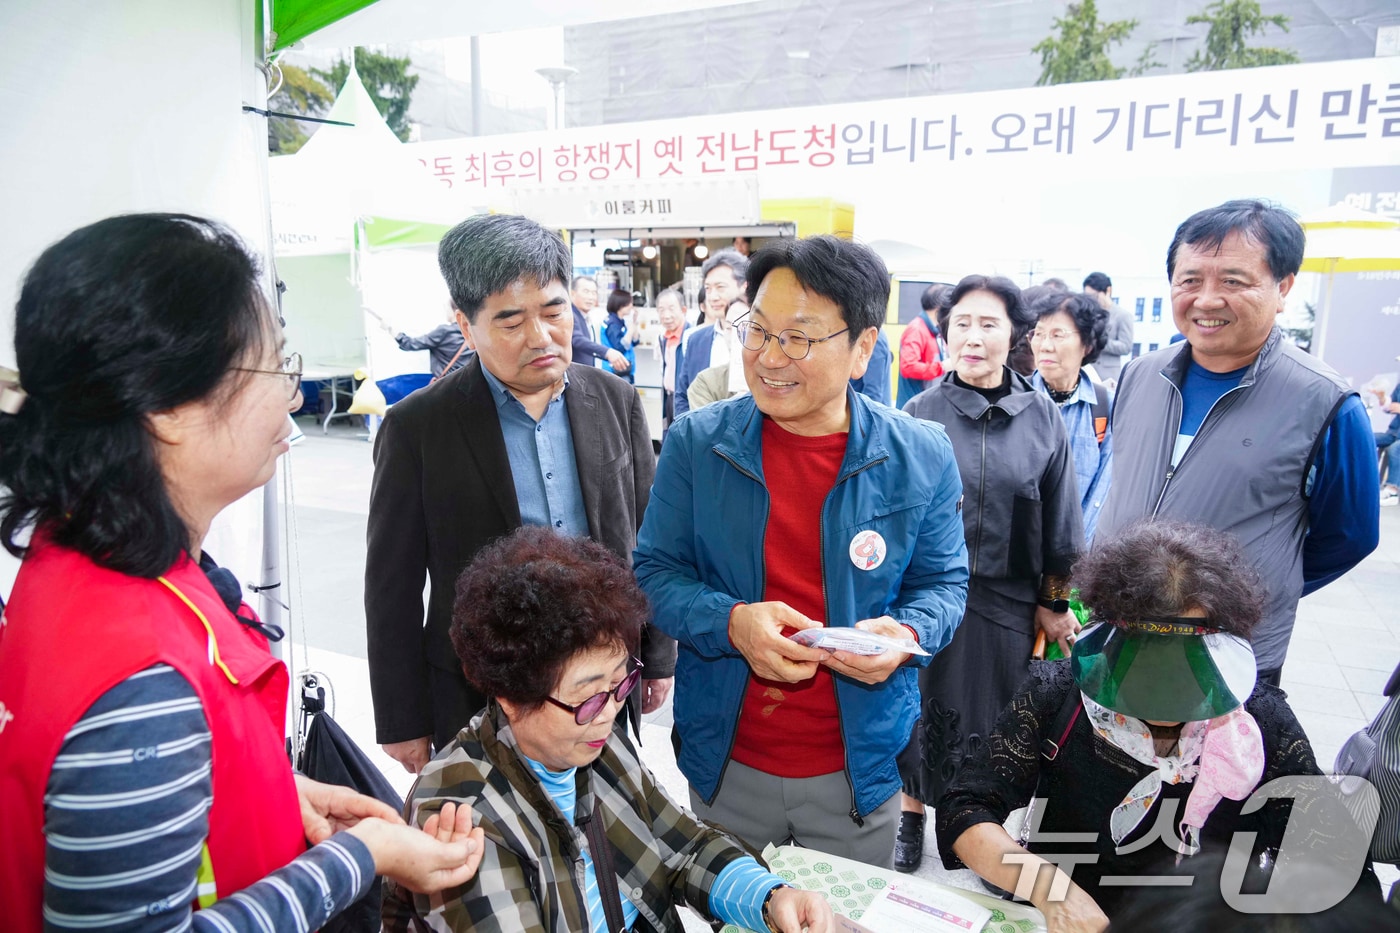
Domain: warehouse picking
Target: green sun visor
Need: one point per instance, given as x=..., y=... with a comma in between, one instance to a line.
x=1168, y=670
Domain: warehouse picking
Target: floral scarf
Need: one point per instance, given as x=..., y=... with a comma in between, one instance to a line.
x=1222, y=757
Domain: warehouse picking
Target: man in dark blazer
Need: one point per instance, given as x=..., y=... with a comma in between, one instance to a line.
x=518, y=436
x=583, y=292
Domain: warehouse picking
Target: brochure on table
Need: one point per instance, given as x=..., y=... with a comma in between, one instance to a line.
x=919, y=907
x=854, y=889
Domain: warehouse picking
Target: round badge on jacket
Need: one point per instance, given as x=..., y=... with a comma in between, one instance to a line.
x=867, y=550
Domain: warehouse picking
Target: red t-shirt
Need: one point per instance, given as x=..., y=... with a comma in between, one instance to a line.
x=793, y=730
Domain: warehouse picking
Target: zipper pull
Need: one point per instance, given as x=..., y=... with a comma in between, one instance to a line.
x=856, y=817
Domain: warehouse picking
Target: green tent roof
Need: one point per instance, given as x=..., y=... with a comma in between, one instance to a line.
x=293, y=20
x=382, y=232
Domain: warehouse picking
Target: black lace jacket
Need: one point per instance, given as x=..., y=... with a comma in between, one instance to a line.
x=1090, y=777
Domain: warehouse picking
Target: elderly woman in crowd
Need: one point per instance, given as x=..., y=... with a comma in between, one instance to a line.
x=1023, y=529
x=1068, y=334
x=1147, y=741
x=546, y=626
x=144, y=782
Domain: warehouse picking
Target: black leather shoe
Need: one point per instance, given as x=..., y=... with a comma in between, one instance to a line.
x=909, y=842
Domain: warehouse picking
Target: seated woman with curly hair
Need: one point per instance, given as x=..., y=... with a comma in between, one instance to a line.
x=578, y=834
x=1146, y=742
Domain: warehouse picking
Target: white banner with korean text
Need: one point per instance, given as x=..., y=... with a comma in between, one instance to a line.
x=1031, y=183
x=1322, y=115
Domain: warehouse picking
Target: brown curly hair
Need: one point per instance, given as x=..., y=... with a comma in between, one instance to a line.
x=1159, y=568
x=529, y=602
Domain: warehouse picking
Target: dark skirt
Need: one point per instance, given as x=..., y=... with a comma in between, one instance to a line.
x=964, y=688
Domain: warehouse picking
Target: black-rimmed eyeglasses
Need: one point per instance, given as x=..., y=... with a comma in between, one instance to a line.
x=794, y=343
x=588, y=710
x=291, y=371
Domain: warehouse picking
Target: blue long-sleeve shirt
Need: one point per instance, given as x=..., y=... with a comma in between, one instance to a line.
x=1343, y=501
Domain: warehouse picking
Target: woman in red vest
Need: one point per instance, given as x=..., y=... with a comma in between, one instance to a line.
x=143, y=773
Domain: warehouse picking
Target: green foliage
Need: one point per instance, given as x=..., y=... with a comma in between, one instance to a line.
x=1145, y=61
x=299, y=93
x=1231, y=23
x=1080, y=51
x=386, y=78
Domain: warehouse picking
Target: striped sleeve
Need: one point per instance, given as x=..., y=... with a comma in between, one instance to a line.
x=739, y=891
x=126, y=815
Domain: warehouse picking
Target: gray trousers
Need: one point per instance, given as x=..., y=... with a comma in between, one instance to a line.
x=812, y=812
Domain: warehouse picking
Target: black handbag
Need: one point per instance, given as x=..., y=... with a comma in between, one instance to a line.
x=332, y=757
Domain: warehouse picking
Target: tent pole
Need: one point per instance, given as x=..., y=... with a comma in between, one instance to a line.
x=478, y=97
x=1321, y=321
x=271, y=593
x=269, y=582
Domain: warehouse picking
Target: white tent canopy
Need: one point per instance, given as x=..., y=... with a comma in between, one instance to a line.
x=328, y=203
x=345, y=173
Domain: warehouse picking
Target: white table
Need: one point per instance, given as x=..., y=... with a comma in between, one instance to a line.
x=340, y=378
x=850, y=887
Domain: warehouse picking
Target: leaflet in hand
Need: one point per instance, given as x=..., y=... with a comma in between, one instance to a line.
x=854, y=640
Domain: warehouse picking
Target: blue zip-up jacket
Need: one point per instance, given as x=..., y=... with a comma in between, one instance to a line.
x=700, y=552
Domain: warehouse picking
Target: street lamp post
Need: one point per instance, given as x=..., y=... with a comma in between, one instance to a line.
x=556, y=76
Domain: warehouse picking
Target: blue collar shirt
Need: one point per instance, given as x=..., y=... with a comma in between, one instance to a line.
x=542, y=462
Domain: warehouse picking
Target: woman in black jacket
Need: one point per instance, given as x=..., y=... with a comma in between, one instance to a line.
x=1023, y=528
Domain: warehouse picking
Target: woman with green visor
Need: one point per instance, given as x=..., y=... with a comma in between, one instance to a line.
x=1144, y=745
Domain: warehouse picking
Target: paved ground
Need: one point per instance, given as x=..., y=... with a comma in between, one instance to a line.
x=1346, y=644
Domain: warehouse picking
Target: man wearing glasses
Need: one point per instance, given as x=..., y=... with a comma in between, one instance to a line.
x=802, y=505
x=516, y=437
x=710, y=344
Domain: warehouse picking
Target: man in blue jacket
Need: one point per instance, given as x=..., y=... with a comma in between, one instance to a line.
x=802, y=505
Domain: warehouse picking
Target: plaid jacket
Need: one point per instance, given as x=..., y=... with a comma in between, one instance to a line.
x=531, y=876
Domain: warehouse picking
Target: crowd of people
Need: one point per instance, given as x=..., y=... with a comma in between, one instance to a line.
x=575, y=580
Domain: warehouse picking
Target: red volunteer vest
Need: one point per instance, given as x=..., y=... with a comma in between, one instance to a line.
x=72, y=631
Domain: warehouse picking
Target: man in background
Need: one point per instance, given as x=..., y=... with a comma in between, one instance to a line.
x=1118, y=339
x=874, y=383
x=921, y=348
x=711, y=343
x=446, y=351
x=583, y=294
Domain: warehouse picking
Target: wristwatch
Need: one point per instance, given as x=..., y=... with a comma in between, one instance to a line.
x=767, y=920
x=1054, y=605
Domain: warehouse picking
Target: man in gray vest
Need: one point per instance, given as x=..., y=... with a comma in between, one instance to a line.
x=1237, y=428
